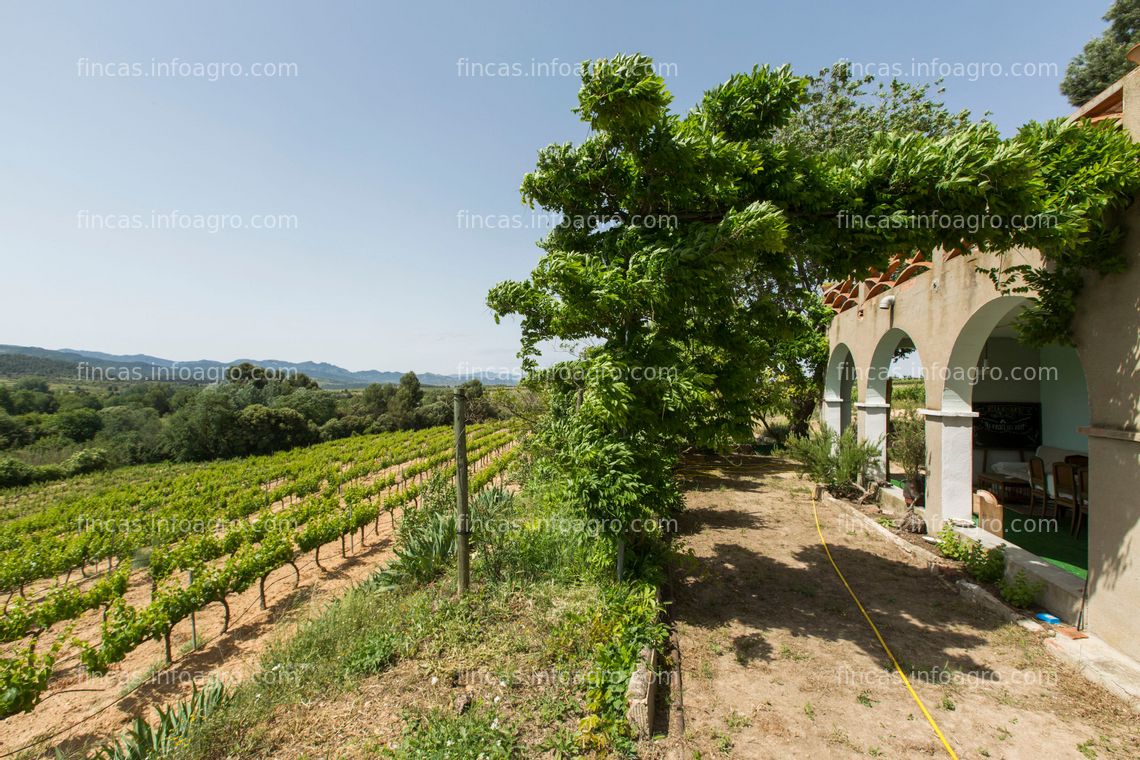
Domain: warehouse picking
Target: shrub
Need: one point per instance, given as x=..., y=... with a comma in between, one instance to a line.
x=777, y=431
x=514, y=540
x=1020, y=592
x=986, y=565
x=15, y=473
x=612, y=637
x=87, y=460
x=838, y=462
x=950, y=543
x=143, y=740
x=78, y=425
x=907, y=446
x=425, y=540
x=12, y=431
x=343, y=427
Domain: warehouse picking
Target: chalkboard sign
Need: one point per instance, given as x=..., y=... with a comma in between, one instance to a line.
x=1006, y=425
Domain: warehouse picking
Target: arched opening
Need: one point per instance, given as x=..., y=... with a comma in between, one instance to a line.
x=896, y=390
x=1010, y=423
x=839, y=390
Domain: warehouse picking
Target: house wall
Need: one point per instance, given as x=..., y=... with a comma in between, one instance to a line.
x=950, y=311
x=1107, y=332
x=1007, y=360
x=933, y=310
x=1064, y=399
x=1108, y=341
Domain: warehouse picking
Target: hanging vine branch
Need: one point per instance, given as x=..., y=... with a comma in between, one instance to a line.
x=1090, y=175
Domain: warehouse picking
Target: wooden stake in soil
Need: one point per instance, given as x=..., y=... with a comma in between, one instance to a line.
x=462, y=528
x=193, y=620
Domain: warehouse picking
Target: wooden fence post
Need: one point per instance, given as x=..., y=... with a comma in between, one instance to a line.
x=462, y=528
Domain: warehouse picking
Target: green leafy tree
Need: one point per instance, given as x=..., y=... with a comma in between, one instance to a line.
x=1102, y=61
x=479, y=405
x=80, y=398
x=15, y=473
x=206, y=427
x=843, y=115
x=248, y=374
x=406, y=401
x=841, y=118
x=435, y=413
x=264, y=430
x=78, y=424
x=31, y=399
x=158, y=396
x=12, y=432
x=132, y=434
x=1089, y=177
x=343, y=427
x=671, y=221
x=375, y=398
x=300, y=380
x=36, y=384
x=315, y=405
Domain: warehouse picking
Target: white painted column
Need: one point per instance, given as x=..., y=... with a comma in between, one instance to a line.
x=832, y=414
x=873, y=417
x=950, y=478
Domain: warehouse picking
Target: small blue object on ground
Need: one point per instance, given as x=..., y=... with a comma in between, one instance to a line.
x=1045, y=617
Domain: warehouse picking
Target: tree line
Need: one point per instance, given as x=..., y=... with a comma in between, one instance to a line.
x=49, y=432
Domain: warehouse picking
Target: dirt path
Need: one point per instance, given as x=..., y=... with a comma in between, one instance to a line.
x=777, y=662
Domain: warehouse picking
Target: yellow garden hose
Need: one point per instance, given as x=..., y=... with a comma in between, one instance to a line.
x=879, y=636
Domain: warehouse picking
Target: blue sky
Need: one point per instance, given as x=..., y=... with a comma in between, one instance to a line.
x=375, y=151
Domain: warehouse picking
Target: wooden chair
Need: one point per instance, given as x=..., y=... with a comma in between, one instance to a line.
x=1079, y=514
x=1038, y=486
x=1077, y=460
x=1066, y=488
x=990, y=513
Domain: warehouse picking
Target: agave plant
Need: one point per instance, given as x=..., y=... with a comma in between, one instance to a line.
x=143, y=740
x=421, y=554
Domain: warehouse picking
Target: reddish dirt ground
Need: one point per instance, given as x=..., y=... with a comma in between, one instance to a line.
x=80, y=709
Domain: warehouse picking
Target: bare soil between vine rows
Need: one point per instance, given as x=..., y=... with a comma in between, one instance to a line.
x=79, y=710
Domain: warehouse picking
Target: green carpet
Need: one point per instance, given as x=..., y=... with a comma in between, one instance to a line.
x=1051, y=542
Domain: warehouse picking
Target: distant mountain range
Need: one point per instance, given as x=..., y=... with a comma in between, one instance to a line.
x=68, y=363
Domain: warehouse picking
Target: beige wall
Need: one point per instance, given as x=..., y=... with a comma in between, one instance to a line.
x=1107, y=332
x=935, y=310
x=1108, y=341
